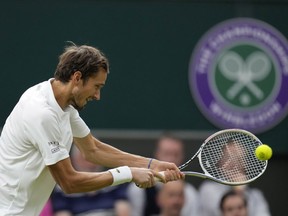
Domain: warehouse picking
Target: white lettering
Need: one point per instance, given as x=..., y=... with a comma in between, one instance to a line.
x=256, y=33
x=205, y=60
x=245, y=121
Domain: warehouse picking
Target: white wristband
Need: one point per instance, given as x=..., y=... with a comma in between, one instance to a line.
x=121, y=175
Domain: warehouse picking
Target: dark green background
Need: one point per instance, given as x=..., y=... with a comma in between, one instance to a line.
x=149, y=44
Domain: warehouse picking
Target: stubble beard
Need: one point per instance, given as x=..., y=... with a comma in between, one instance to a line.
x=75, y=105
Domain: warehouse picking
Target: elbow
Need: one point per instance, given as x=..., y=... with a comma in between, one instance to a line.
x=68, y=187
x=66, y=176
x=67, y=190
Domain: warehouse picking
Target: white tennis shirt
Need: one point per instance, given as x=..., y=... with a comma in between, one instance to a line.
x=37, y=133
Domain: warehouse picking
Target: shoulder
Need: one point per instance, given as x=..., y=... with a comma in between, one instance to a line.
x=36, y=103
x=38, y=111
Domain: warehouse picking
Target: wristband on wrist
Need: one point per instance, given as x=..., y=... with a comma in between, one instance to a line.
x=121, y=175
x=149, y=164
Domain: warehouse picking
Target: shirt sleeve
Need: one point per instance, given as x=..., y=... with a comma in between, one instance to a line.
x=43, y=131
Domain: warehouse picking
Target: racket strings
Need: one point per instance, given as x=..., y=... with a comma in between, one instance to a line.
x=230, y=157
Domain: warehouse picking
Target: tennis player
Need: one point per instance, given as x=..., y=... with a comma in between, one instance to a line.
x=38, y=134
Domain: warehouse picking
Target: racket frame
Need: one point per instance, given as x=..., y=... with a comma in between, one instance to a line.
x=205, y=173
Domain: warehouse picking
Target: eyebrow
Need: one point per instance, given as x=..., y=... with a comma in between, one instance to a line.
x=100, y=85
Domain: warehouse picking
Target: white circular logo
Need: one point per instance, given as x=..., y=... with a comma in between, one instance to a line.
x=238, y=75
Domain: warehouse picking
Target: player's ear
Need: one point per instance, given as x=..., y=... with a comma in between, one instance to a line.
x=76, y=76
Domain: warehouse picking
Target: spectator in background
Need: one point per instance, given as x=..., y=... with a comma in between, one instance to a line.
x=171, y=198
x=105, y=202
x=233, y=203
x=143, y=201
x=210, y=194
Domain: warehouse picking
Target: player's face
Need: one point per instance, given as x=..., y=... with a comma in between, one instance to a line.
x=82, y=93
x=234, y=206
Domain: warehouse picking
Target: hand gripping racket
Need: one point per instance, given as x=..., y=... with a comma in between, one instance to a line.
x=228, y=157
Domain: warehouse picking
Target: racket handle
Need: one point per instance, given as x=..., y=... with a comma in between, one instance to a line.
x=157, y=179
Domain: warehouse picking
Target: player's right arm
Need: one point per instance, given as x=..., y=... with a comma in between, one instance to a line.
x=73, y=181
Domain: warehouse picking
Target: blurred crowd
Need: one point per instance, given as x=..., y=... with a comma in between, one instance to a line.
x=177, y=198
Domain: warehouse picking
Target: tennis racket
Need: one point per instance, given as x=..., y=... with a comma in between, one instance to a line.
x=228, y=157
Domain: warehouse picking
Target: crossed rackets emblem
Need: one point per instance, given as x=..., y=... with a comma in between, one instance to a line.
x=244, y=73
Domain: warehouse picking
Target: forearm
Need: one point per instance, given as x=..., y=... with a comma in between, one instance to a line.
x=72, y=181
x=106, y=155
x=89, y=181
x=112, y=157
x=103, y=154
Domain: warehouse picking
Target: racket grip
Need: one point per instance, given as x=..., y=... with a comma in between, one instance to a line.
x=157, y=179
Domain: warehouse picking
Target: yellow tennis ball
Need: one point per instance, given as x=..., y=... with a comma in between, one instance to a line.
x=263, y=152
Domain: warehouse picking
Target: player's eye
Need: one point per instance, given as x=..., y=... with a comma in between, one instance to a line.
x=98, y=87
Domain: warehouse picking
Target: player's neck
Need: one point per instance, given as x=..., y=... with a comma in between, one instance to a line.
x=62, y=92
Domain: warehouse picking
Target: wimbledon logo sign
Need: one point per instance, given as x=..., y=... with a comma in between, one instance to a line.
x=238, y=75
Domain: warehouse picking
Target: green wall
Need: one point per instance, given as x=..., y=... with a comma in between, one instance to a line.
x=149, y=44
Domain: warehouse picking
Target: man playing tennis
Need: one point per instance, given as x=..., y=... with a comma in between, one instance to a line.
x=38, y=134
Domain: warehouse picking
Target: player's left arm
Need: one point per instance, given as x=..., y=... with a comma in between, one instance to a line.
x=98, y=152
x=101, y=153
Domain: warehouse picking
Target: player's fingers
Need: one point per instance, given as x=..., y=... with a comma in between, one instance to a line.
x=151, y=181
x=169, y=175
x=172, y=175
x=159, y=177
x=147, y=180
x=147, y=184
